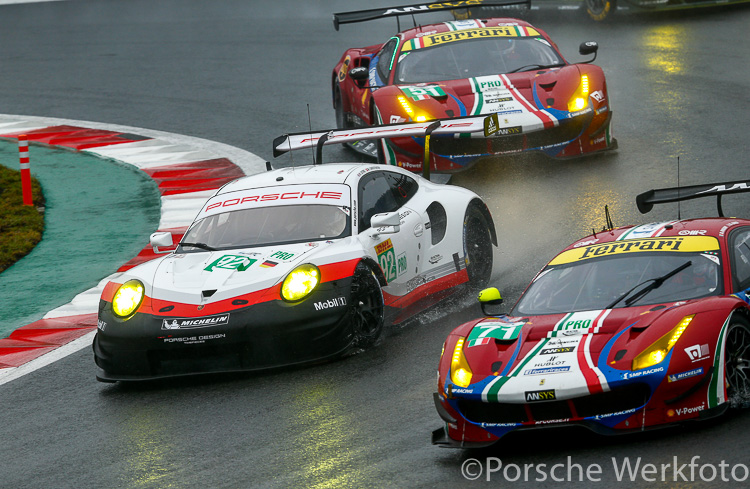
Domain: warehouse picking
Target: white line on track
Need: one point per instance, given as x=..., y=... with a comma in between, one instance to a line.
x=87, y=302
x=9, y=2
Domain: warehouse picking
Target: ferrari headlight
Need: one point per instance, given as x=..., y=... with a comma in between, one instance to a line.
x=659, y=350
x=460, y=370
x=300, y=282
x=581, y=96
x=405, y=104
x=128, y=299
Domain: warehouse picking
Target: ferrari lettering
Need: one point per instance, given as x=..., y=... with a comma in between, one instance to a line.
x=667, y=244
x=723, y=188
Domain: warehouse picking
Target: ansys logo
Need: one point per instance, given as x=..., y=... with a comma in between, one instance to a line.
x=534, y=396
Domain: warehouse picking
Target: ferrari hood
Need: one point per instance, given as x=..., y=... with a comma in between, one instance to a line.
x=528, y=99
x=552, y=357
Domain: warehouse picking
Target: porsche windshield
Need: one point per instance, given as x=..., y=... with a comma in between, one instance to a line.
x=477, y=57
x=266, y=226
x=621, y=281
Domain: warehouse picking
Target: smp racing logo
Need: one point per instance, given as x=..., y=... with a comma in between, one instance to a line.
x=192, y=323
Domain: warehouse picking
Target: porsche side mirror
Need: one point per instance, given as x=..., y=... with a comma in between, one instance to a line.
x=386, y=223
x=163, y=239
x=359, y=73
x=489, y=297
x=588, y=47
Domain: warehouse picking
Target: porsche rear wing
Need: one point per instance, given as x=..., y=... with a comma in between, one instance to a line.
x=646, y=200
x=419, y=8
x=487, y=124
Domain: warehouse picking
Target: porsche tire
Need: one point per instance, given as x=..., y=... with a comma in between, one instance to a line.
x=600, y=10
x=367, y=308
x=737, y=363
x=477, y=247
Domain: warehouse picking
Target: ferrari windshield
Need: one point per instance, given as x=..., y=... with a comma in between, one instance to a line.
x=266, y=226
x=476, y=57
x=622, y=280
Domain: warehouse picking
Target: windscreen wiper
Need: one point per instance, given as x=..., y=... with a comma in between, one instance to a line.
x=202, y=246
x=655, y=284
x=535, y=66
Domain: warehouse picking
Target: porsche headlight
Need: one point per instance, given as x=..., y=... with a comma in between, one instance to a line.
x=580, y=98
x=659, y=350
x=128, y=299
x=460, y=370
x=300, y=282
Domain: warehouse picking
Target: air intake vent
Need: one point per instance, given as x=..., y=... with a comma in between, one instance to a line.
x=208, y=293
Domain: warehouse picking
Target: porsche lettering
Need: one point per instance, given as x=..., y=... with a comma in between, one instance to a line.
x=268, y=197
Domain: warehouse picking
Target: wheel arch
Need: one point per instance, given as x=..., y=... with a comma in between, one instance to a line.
x=375, y=267
x=482, y=208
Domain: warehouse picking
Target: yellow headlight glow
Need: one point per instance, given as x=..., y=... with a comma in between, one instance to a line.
x=460, y=370
x=659, y=350
x=128, y=298
x=300, y=282
x=581, y=96
x=406, y=106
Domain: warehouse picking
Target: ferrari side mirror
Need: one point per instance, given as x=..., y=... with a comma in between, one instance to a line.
x=489, y=297
x=588, y=47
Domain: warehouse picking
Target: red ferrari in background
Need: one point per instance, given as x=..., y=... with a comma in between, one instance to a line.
x=625, y=330
x=500, y=66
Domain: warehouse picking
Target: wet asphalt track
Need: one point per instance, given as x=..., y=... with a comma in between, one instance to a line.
x=242, y=73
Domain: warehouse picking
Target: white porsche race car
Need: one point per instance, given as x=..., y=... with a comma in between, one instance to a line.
x=291, y=266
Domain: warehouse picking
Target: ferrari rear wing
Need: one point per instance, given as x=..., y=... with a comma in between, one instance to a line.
x=646, y=200
x=419, y=8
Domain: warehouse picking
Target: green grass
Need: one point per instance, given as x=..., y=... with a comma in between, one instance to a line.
x=21, y=226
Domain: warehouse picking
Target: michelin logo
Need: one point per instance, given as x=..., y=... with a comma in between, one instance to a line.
x=685, y=375
x=190, y=323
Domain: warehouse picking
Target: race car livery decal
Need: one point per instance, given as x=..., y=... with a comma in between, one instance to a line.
x=577, y=323
x=192, y=323
x=387, y=259
x=484, y=332
x=422, y=93
x=330, y=194
x=463, y=24
x=666, y=244
x=282, y=256
x=717, y=392
x=652, y=230
x=231, y=262
x=468, y=34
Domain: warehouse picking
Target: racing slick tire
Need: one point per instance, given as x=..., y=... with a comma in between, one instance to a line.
x=367, y=307
x=477, y=247
x=737, y=363
x=338, y=104
x=600, y=10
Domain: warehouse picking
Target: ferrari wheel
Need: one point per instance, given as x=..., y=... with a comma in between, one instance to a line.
x=600, y=9
x=737, y=364
x=367, y=307
x=477, y=247
x=338, y=104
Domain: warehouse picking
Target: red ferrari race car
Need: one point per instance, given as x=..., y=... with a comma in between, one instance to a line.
x=625, y=330
x=500, y=66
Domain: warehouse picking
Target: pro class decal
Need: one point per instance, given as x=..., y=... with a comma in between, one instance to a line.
x=192, y=323
x=231, y=262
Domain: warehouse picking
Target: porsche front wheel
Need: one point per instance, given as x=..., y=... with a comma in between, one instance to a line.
x=600, y=10
x=366, y=309
x=737, y=363
x=477, y=247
